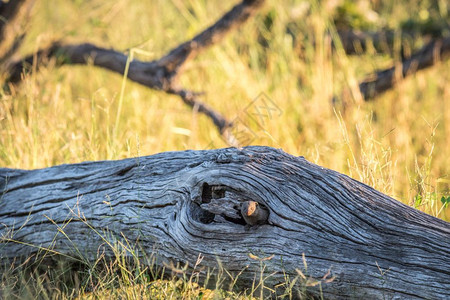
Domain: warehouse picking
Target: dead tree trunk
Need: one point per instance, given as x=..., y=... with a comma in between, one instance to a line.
x=182, y=204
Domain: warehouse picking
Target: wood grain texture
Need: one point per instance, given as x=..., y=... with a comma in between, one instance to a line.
x=374, y=246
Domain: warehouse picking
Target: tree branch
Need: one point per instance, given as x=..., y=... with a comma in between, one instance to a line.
x=13, y=20
x=427, y=56
x=8, y=11
x=237, y=16
x=158, y=74
x=357, y=42
x=191, y=99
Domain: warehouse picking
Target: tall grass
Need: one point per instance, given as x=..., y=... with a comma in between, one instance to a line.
x=132, y=274
x=398, y=143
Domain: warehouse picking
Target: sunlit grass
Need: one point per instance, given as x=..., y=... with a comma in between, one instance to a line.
x=129, y=272
x=71, y=114
x=398, y=143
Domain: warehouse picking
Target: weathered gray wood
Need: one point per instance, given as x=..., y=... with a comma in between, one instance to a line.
x=375, y=246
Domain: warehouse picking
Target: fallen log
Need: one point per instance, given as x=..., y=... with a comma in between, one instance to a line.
x=357, y=242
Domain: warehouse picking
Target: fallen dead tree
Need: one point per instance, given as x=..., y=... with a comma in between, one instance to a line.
x=357, y=242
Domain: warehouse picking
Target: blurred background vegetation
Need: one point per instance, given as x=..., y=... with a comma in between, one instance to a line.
x=398, y=143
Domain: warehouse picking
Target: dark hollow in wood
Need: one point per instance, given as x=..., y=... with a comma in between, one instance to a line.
x=182, y=204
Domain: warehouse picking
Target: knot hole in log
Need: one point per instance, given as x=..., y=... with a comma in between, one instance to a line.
x=220, y=204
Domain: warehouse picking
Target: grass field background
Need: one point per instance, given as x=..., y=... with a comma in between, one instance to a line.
x=399, y=143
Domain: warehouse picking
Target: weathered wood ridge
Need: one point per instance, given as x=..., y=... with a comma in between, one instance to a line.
x=182, y=204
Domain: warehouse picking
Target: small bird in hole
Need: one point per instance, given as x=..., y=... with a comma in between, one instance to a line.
x=253, y=213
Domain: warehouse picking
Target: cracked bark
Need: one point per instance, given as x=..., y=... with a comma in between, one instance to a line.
x=182, y=204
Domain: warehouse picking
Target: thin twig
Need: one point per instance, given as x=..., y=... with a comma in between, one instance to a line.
x=191, y=99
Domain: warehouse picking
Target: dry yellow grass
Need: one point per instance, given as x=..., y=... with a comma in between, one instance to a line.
x=398, y=143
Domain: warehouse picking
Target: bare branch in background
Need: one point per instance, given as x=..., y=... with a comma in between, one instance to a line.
x=14, y=17
x=429, y=55
x=159, y=74
x=358, y=42
x=8, y=11
x=379, y=82
x=237, y=16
